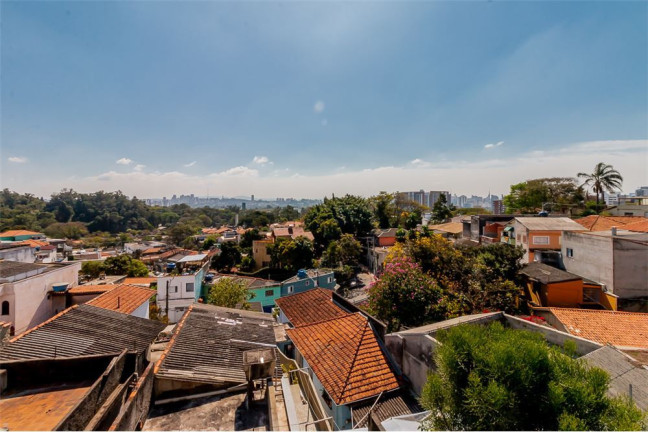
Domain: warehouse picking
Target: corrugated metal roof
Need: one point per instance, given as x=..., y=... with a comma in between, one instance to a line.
x=192, y=258
x=388, y=406
x=546, y=274
x=550, y=224
x=209, y=343
x=83, y=330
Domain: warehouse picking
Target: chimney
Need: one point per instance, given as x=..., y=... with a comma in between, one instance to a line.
x=118, y=302
x=614, y=230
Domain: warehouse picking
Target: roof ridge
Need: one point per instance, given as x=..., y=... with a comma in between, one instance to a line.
x=355, y=356
x=25, y=333
x=171, y=342
x=597, y=311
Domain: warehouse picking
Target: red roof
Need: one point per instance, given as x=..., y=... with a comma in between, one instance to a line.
x=310, y=307
x=622, y=329
x=34, y=243
x=140, y=280
x=346, y=357
x=123, y=298
x=640, y=226
x=14, y=233
x=90, y=289
x=604, y=223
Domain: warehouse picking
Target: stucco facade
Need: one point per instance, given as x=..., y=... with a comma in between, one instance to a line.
x=184, y=290
x=17, y=253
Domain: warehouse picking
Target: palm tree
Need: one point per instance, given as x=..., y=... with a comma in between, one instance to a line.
x=604, y=178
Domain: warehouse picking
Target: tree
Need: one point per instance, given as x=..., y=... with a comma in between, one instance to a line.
x=604, y=178
x=249, y=236
x=343, y=252
x=336, y=216
x=92, y=269
x=180, y=231
x=67, y=230
x=496, y=378
x=441, y=211
x=228, y=292
x=291, y=255
x=384, y=210
x=404, y=295
x=125, y=265
x=230, y=255
x=247, y=263
x=530, y=196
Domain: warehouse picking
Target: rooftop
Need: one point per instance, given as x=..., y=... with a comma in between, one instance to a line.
x=602, y=223
x=450, y=227
x=390, y=232
x=345, y=355
x=123, y=298
x=83, y=330
x=192, y=258
x=639, y=226
x=140, y=280
x=310, y=307
x=90, y=289
x=622, y=329
x=311, y=273
x=546, y=274
x=392, y=405
x=550, y=224
x=14, y=271
x=14, y=233
x=209, y=342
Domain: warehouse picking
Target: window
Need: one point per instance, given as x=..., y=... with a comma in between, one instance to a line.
x=308, y=283
x=269, y=293
x=330, y=279
x=5, y=308
x=541, y=240
x=570, y=253
x=189, y=287
x=291, y=289
x=519, y=238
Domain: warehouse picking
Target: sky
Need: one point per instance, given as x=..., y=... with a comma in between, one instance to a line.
x=306, y=99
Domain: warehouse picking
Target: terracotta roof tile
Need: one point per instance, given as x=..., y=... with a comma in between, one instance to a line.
x=140, y=280
x=91, y=289
x=124, y=298
x=603, y=223
x=622, y=329
x=346, y=357
x=14, y=233
x=310, y=307
x=34, y=243
x=639, y=226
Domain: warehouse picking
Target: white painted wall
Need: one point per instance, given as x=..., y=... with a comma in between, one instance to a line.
x=592, y=257
x=20, y=254
x=28, y=298
x=142, y=311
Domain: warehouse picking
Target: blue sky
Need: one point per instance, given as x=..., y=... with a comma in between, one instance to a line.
x=309, y=98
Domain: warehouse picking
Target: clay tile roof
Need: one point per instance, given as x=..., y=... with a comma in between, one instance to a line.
x=622, y=329
x=603, y=223
x=124, y=298
x=140, y=280
x=346, y=357
x=639, y=226
x=310, y=307
x=14, y=233
x=281, y=232
x=34, y=243
x=91, y=289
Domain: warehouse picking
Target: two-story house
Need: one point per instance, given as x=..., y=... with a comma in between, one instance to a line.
x=538, y=235
x=182, y=286
x=306, y=280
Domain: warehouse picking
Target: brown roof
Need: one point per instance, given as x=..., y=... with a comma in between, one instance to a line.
x=603, y=223
x=450, y=227
x=90, y=289
x=34, y=243
x=140, y=280
x=622, y=329
x=14, y=233
x=346, y=357
x=310, y=307
x=124, y=298
x=639, y=226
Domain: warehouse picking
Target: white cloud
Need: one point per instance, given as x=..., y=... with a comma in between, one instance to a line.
x=319, y=107
x=139, y=167
x=124, y=161
x=457, y=176
x=17, y=159
x=261, y=160
x=420, y=163
x=190, y=164
x=497, y=144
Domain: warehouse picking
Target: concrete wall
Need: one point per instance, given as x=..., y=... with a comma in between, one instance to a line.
x=137, y=405
x=29, y=302
x=23, y=254
x=592, y=257
x=178, y=301
x=414, y=355
x=142, y=311
x=630, y=268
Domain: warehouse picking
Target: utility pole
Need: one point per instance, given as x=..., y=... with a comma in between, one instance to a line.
x=166, y=299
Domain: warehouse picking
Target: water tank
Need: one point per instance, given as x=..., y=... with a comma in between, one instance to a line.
x=59, y=286
x=170, y=266
x=259, y=363
x=301, y=274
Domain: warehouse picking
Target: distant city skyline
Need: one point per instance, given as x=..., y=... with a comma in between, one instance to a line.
x=306, y=99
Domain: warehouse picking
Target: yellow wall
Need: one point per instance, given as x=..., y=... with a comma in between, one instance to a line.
x=565, y=293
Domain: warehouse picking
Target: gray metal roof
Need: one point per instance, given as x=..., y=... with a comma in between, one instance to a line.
x=546, y=274
x=623, y=372
x=550, y=224
x=210, y=341
x=388, y=406
x=83, y=330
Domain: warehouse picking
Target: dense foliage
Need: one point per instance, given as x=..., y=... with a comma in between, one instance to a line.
x=604, y=178
x=556, y=193
x=343, y=252
x=230, y=255
x=291, y=255
x=405, y=295
x=336, y=216
x=117, y=265
x=495, y=378
x=229, y=293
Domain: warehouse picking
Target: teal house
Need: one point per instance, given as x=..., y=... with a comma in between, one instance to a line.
x=265, y=291
x=306, y=280
x=20, y=235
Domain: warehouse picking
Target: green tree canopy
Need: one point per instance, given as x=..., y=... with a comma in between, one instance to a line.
x=230, y=255
x=336, y=216
x=343, y=252
x=442, y=211
x=604, y=178
x=228, y=292
x=495, y=378
x=555, y=193
x=125, y=265
x=291, y=255
x=384, y=210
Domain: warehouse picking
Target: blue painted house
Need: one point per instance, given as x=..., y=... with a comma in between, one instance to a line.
x=306, y=280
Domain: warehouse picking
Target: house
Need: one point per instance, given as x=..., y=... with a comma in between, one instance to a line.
x=548, y=286
x=376, y=257
x=385, y=237
x=207, y=368
x=20, y=235
x=538, y=235
x=181, y=285
x=26, y=291
x=17, y=252
x=84, y=330
x=624, y=330
x=617, y=259
x=265, y=292
x=308, y=279
x=449, y=230
x=127, y=299
x=290, y=232
x=83, y=293
x=604, y=223
x=141, y=281
x=346, y=363
x=474, y=227
x=260, y=252
x=308, y=307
